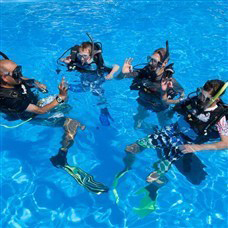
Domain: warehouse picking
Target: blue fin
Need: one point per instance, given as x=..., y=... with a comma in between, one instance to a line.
x=105, y=117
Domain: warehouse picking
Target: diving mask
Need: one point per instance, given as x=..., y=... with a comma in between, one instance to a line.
x=154, y=62
x=83, y=57
x=204, y=99
x=17, y=73
x=208, y=99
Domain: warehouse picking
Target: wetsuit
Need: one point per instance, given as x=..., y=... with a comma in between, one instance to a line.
x=14, y=101
x=150, y=93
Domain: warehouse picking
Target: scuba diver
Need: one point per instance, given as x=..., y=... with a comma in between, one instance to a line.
x=157, y=88
x=87, y=59
x=203, y=118
x=18, y=101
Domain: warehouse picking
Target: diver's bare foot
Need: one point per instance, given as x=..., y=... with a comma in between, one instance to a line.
x=137, y=125
x=154, y=177
x=78, y=124
x=133, y=148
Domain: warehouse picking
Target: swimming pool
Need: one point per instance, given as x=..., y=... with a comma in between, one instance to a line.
x=33, y=193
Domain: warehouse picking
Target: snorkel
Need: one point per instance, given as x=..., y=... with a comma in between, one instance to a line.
x=92, y=42
x=166, y=57
x=217, y=95
x=93, y=51
x=163, y=58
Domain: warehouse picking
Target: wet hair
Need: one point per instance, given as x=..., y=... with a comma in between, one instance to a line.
x=161, y=52
x=213, y=86
x=86, y=45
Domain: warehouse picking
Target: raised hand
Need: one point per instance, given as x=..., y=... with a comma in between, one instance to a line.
x=166, y=83
x=127, y=67
x=63, y=89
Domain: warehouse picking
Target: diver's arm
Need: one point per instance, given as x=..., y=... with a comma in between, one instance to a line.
x=222, y=127
x=179, y=89
x=122, y=75
x=41, y=110
x=32, y=80
x=35, y=83
x=190, y=148
x=115, y=68
x=169, y=101
x=46, y=108
x=165, y=84
x=66, y=60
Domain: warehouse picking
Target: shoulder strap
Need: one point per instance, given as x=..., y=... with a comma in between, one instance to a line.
x=73, y=52
x=98, y=46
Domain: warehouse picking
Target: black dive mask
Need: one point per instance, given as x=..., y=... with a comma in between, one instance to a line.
x=17, y=73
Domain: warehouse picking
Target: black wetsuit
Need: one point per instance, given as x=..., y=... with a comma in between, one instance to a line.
x=14, y=102
x=151, y=99
x=149, y=86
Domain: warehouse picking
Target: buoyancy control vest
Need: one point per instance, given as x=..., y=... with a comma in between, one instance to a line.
x=22, y=93
x=202, y=122
x=148, y=81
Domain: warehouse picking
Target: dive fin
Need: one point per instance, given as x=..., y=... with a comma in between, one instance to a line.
x=86, y=180
x=148, y=203
x=58, y=71
x=105, y=116
x=115, y=183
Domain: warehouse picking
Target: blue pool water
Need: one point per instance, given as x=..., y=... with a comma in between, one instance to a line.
x=33, y=192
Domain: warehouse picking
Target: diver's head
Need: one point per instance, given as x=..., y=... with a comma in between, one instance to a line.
x=10, y=73
x=85, y=53
x=211, y=92
x=159, y=59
